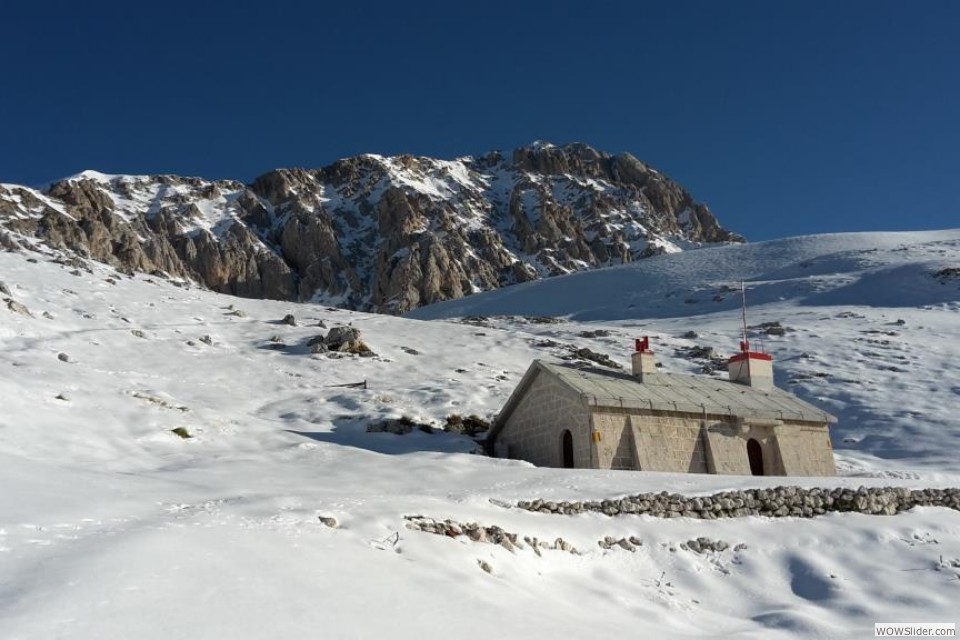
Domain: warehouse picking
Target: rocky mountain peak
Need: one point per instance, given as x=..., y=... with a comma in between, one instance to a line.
x=548, y=159
x=372, y=232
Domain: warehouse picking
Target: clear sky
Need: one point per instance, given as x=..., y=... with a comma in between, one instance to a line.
x=785, y=117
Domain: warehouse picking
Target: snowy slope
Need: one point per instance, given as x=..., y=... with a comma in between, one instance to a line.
x=113, y=527
x=854, y=269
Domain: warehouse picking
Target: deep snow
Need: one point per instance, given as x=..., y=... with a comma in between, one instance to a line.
x=113, y=527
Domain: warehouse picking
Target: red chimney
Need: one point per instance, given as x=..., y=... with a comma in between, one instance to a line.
x=752, y=368
x=643, y=361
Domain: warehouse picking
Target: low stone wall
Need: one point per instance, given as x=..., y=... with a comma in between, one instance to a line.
x=777, y=502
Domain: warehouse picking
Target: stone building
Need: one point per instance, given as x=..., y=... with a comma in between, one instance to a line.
x=562, y=415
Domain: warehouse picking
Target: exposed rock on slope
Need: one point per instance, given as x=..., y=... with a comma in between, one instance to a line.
x=372, y=233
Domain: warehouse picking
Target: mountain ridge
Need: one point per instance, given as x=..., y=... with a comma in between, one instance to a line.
x=371, y=232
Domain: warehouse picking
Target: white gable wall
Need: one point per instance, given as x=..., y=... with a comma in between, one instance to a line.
x=534, y=430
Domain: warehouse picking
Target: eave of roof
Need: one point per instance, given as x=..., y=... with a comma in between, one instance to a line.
x=684, y=393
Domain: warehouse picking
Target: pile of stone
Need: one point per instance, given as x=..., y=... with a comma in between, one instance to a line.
x=592, y=356
x=476, y=321
x=472, y=425
x=490, y=535
x=627, y=544
x=715, y=362
x=697, y=352
x=547, y=343
x=12, y=304
x=539, y=319
x=594, y=333
x=399, y=426
x=512, y=542
x=771, y=328
x=706, y=545
x=950, y=273
x=777, y=502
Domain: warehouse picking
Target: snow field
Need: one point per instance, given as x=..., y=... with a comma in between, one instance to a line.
x=111, y=526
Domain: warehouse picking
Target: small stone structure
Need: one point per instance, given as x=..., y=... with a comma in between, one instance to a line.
x=588, y=417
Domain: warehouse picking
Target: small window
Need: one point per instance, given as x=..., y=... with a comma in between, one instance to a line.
x=567, y=449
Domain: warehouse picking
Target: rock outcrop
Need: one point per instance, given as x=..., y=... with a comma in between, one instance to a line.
x=369, y=232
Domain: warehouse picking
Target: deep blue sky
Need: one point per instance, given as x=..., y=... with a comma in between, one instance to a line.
x=784, y=117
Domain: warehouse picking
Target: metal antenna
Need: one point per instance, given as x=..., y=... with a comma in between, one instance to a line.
x=745, y=345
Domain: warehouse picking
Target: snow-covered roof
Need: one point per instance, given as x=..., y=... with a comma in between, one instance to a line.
x=605, y=388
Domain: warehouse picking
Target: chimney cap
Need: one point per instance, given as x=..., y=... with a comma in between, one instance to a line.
x=750, y=355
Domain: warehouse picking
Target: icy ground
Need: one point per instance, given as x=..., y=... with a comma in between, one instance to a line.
x=111, y=526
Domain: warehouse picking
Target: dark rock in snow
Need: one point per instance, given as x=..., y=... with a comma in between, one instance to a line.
x=17, y=307
x=340, y=340
x=593, y=356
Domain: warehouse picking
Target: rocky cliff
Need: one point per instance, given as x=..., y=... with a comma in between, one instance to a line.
x=373, y=233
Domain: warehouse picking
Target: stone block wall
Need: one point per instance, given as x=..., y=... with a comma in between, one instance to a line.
x=788, y=449
x=688, y=444
x=674, y=443
x=534, y=430
x=804, y=450
x=726, y=450
x=649, y=442
x=615, y=449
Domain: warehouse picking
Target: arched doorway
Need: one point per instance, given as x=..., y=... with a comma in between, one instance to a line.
x=567, y=449
x=755, y=454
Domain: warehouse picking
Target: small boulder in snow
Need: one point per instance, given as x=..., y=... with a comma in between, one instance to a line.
x=772, y=328
x=592, y=356
x=341, y=340
x=16, y=307
x=471, y=425
x=950, y=273
x=697, y=352
x=399, y=426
